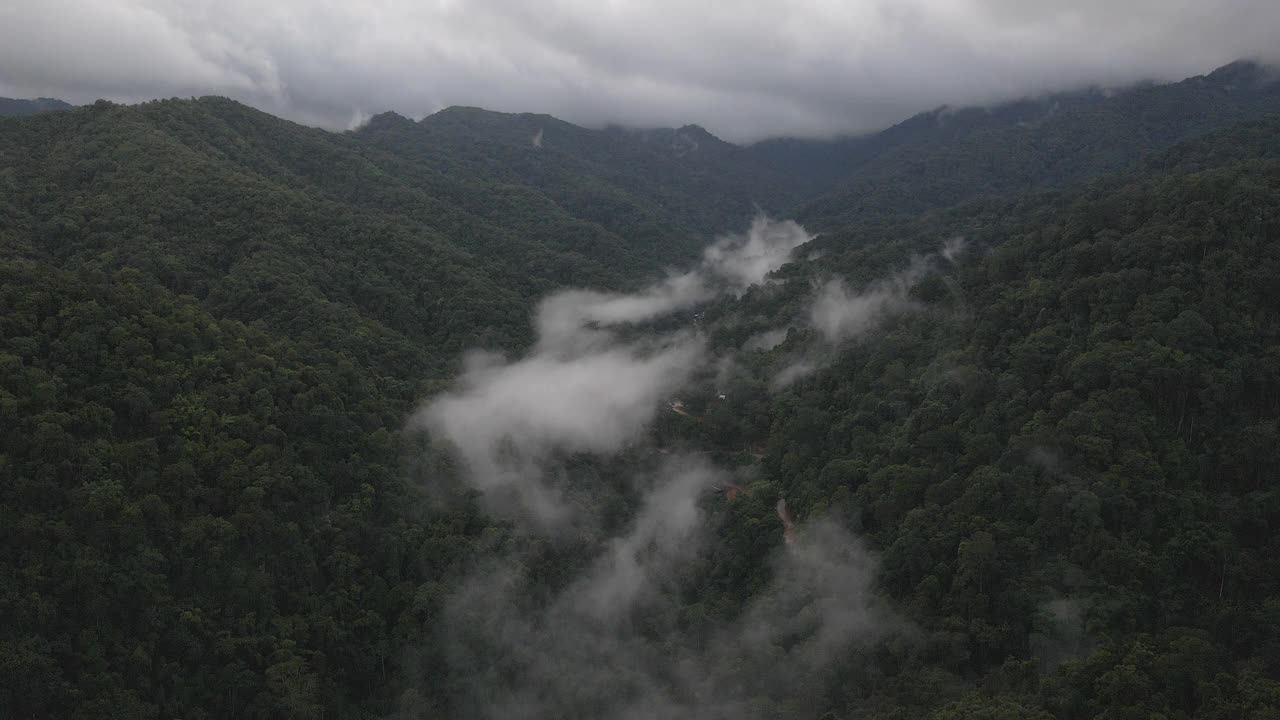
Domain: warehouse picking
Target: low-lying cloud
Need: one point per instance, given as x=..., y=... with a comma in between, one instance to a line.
x=745, y=260
x=838, y=313
x=610, y=645
x=507, y=419
x=584, y=386
x=612, y=639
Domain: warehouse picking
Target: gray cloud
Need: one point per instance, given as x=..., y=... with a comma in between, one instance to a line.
x=745, y=260
x=731, y=264
x=584, y=654
x=811, y=68
x=582, y=387
x=766, y=340
x=609, y=641
x=508, y=419
x=839, y=314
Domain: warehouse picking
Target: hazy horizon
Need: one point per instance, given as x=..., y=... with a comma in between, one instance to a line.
x=812, y=69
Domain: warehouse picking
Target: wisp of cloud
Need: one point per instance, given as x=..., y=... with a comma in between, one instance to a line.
x=583, y=387
x=608, y=642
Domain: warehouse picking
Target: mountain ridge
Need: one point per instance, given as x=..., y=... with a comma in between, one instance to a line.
x=1052, y=424
x=17, y=106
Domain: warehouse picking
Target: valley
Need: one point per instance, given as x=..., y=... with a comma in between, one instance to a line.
x=493, y=415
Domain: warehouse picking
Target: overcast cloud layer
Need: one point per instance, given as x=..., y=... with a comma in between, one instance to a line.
x=744, y=70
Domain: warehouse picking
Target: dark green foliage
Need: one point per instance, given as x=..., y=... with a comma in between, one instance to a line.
x=1069, y=457
x=214, y=325
x=195, y=518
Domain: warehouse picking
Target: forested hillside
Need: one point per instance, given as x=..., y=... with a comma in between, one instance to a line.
x=951, y=154
x=1058, y=440
x=210, y=315
x=1065, y=450
x=267, y=221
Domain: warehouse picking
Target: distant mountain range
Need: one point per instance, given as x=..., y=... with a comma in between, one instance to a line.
x=13, y=106
x=529, y=202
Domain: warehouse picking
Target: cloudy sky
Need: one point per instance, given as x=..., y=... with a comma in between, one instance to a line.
x=742, y=69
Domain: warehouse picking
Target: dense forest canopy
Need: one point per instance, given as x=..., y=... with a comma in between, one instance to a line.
x=992, y=434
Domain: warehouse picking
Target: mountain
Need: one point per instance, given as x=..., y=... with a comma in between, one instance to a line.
x=214, y=198
x=13, y=106
x=216, y=313
x=632, y=182
x=952, y=154
x=1063, y=444
x=1057, y=438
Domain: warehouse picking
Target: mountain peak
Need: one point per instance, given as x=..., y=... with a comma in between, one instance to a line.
x=693, y=129
x=1244, y=73
x=388, y=120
